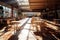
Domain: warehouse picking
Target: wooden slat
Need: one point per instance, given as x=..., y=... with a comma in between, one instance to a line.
x=37, y=0
x=37, y=4
x=44, y=1
x=37, y=7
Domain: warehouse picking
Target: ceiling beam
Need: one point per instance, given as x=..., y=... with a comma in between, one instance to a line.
x=37, y=0
x=37, y=7
x=38, y=4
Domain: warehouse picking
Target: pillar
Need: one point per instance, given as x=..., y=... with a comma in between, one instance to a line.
x=12, y=11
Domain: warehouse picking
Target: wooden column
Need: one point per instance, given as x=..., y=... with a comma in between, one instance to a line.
x=12, y=11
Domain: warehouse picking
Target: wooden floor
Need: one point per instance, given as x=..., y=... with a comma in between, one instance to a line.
x=26, y=33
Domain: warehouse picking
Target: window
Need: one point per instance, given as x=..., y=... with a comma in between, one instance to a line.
x=7, y=11
x=24, y=3
x=15, y=14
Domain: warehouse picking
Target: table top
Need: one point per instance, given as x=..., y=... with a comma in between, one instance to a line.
x=38, y=21
x=52, y=22
x=51, y=26
x=15, y=21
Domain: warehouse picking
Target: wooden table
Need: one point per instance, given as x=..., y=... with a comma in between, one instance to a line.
x=44, y=23
x=38, y=25
x=15, y=25
x=51, y=24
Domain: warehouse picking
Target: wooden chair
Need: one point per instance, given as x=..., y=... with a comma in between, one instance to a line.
x=33, y=25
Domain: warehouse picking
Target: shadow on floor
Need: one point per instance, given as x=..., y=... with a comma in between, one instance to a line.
x=14, y=37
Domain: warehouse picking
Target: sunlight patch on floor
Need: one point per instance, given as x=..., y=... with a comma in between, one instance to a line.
x=25, y=33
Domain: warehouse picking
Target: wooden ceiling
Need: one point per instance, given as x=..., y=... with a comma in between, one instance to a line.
x=40, y=4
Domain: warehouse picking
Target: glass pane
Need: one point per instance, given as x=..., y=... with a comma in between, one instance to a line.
x=23, y=2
